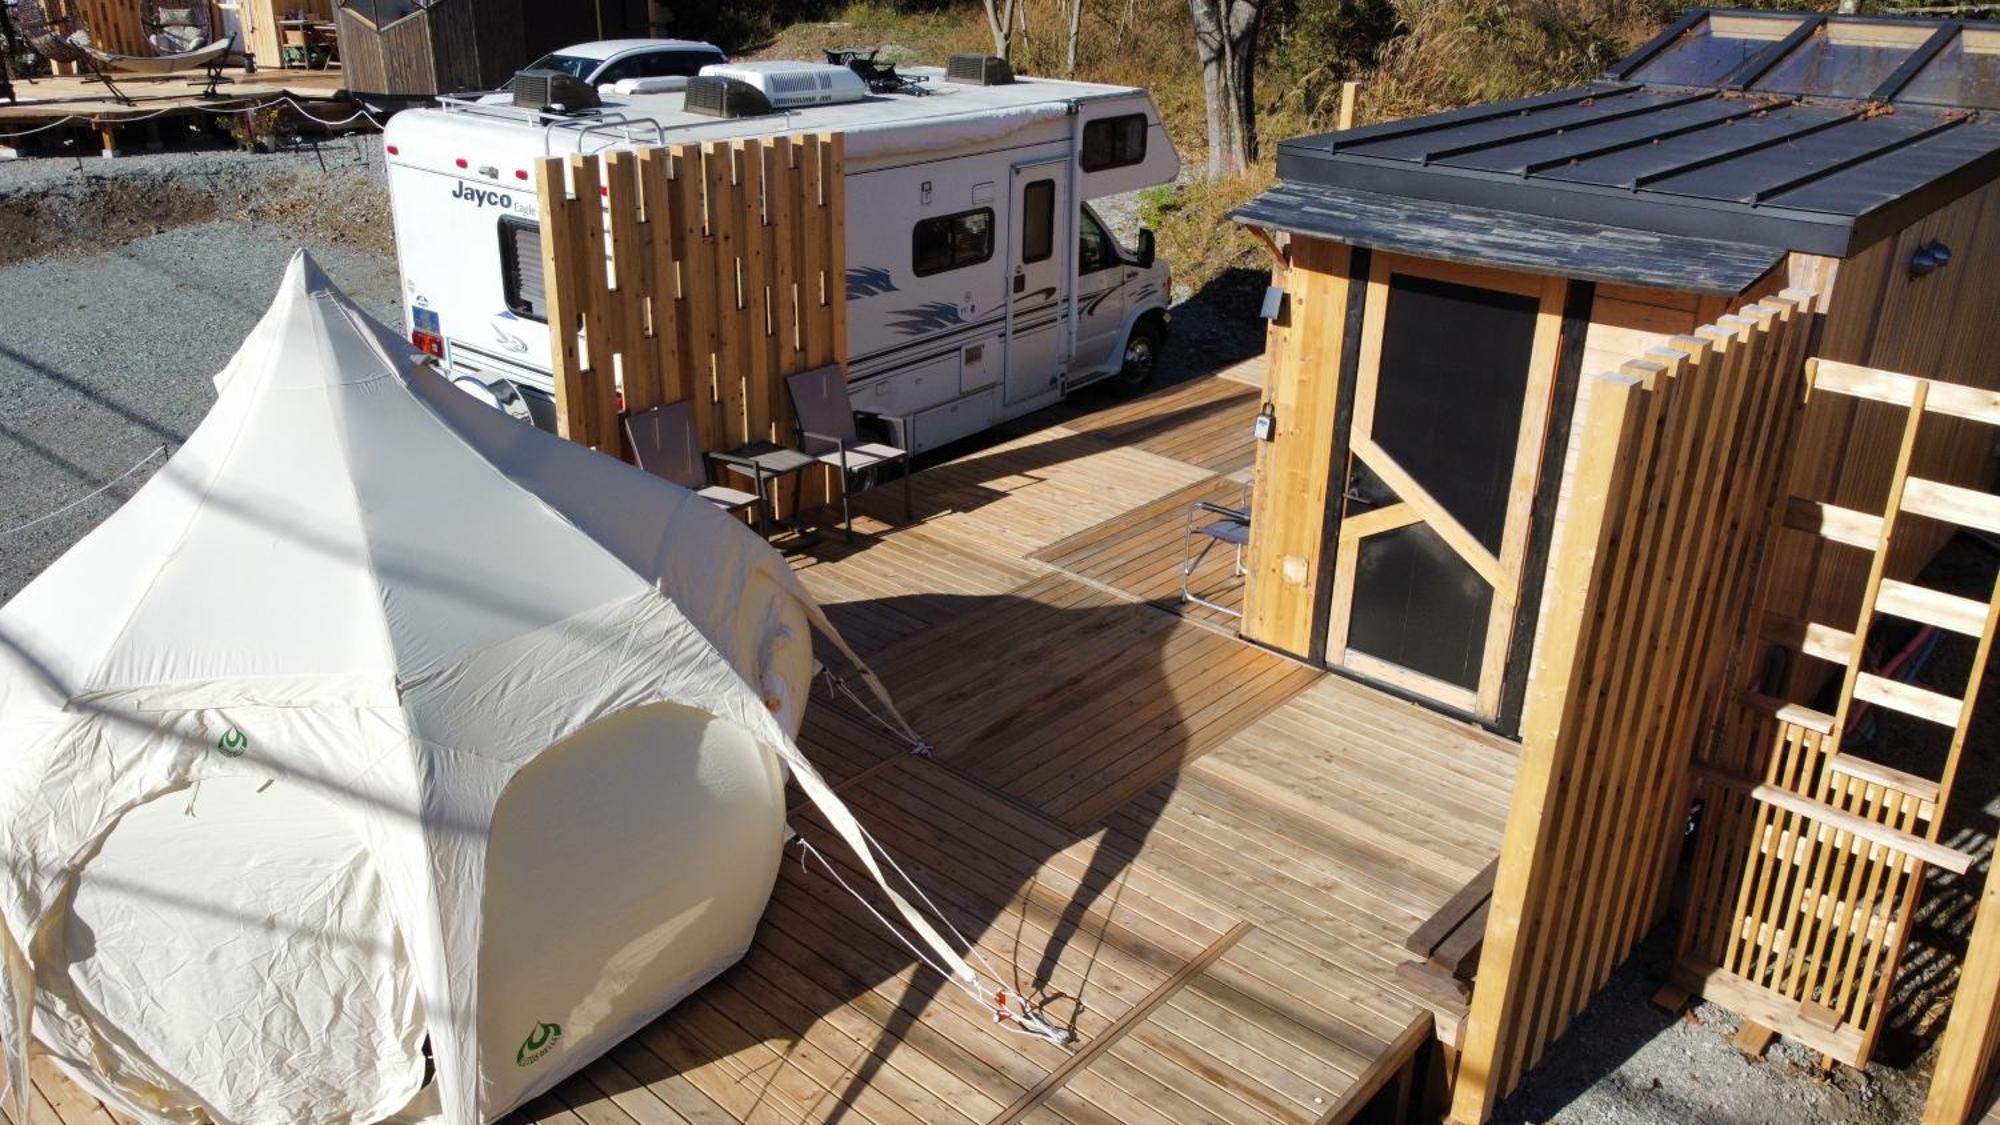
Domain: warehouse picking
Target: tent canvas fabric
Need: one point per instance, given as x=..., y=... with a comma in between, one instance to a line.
x=351, y=669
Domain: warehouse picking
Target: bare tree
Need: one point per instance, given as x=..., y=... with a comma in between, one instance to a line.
x=1075, y=27
x=1000, y=20
x=1225, y=36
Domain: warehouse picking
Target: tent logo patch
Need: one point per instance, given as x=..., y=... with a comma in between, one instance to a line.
x=539, y=1042
x=232, y=743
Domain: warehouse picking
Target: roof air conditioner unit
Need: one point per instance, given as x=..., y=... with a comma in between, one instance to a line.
x=791, y=85
x=715, y=96
x=978, y=70
x=553, y=90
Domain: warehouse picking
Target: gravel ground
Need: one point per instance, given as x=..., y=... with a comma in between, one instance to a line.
x=126, y=284
x=108, y=335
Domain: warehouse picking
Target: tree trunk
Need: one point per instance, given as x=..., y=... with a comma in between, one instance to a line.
x=1225, y=34
x=1075, y=27
x=1000, y=21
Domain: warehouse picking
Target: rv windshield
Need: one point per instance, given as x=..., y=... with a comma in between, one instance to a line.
x=573, y=65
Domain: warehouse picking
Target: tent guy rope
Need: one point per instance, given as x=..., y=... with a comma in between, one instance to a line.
x=87, y=497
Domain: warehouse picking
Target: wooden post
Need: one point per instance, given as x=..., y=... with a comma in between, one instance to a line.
x=1965, y=1054
x=564, y=294
x=1350, y=94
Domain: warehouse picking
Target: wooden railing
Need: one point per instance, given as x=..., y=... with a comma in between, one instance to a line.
x=1680, y=465
x=701, y=273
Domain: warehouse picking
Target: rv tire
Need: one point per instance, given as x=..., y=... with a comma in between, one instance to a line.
x=1142, y=357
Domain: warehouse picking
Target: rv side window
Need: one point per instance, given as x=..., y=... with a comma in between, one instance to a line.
x=1114, y=142
x=951, y=242
x=521, y=268
x=1038, y=221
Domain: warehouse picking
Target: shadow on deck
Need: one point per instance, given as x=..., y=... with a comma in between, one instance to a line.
x=1201, y=857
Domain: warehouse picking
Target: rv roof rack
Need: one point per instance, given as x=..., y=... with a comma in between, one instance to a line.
x=582, y=124
x=880, y=77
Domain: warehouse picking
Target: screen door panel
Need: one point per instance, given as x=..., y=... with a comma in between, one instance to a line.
x=1451, y=402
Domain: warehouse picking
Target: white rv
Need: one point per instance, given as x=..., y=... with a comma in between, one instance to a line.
x=980, y=284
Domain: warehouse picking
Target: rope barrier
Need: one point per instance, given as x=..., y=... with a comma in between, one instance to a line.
x=86, y=497
x=286, y=99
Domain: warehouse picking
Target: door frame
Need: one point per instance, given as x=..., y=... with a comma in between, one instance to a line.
x=1504, y=570
x=1019, y=176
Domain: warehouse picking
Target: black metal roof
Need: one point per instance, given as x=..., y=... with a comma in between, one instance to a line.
x=1784, y=131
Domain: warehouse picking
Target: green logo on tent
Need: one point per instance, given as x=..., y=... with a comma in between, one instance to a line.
x=232, y=743
x=539, y=1042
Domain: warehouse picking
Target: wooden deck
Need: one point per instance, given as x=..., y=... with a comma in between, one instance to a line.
x=46, y=107
x=1199, y=856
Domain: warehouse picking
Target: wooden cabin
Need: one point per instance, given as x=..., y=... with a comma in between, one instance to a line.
x=1541, y=454
x=408, y=48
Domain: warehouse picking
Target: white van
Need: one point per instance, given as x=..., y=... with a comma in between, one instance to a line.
x=980, y=284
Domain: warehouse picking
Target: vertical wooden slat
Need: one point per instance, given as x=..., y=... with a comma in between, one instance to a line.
x=756, y=354
x=663, y=299
x=719, y=186
x=599, y=314
x=781, y=183
x=835, y=220
x=631, y=267
x=694, y=179
x=812, y=234
x=566, y=293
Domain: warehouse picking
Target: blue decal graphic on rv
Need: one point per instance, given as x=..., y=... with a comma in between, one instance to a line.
x=1090, y=304
x=867, y=281
x=927, y=317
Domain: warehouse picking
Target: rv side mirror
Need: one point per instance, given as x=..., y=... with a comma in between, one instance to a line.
x=1144, y=258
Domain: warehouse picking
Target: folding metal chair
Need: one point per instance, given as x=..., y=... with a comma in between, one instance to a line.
x=827, y=434
x=1233, y=528
x=664, y=440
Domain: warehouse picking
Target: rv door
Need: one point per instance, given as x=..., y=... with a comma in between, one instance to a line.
x=1038, y=287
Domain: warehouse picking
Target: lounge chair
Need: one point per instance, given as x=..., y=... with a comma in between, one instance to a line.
x=827, y=434
x=664, y=441
x=1233, y=528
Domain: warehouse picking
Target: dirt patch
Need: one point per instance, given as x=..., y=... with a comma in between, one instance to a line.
x=334, y=192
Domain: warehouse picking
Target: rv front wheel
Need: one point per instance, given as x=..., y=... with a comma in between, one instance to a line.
x=1142, y=358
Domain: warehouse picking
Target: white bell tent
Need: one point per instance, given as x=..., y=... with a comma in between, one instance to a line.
x=377, y=719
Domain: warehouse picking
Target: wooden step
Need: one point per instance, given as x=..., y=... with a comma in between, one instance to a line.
x=1951, y=399
x=1875, y=773
x=1831, y=521
x=1966, y=507
x=1809, y=637
x=1796, y=714
x=1914, y=846
x=1908, y=699
x=1931, y=607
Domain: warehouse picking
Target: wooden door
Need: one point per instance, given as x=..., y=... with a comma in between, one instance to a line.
x=1451, y=402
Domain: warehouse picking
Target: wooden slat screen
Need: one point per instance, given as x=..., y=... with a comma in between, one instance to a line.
x=1793, y=922
x=704, y=273
x=1679, y=471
